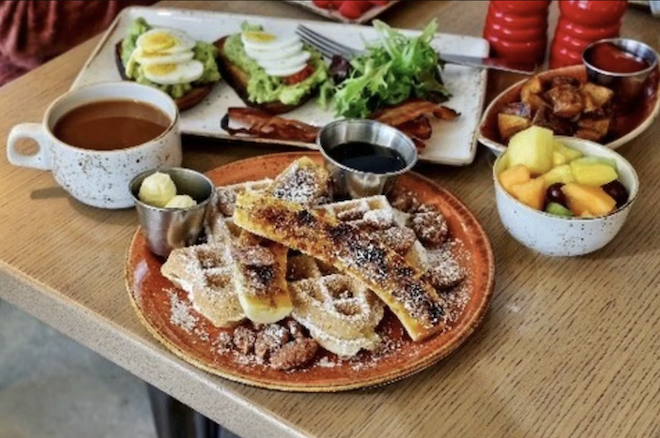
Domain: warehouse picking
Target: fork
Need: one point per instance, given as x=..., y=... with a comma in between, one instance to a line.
x=329, y=48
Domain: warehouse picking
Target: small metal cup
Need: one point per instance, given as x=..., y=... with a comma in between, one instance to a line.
x=169, y=228
x=626, y=86
x=355, y=183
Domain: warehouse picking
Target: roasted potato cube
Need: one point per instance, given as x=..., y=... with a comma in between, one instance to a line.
x=536, y=102
x=564, y=80
x=509, y=125
x=588, y=134
x=529, y=93
x=518, y=109
x=532, y=86
x=589, y=105
x=546, y=119
x=600, y=126
x=600, y=96
x=566, y=101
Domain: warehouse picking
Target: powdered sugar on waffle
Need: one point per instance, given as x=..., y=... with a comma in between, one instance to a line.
x=180, y=315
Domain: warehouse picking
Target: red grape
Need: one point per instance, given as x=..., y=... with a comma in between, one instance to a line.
x=555, y=194
x=354, y=9
x=325, y=4
x=617, y=191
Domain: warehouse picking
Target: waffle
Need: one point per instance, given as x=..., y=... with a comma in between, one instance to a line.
x=340, y=313
x=303, y=182
x=206, y=273
x=320, y=234
x=383, y=223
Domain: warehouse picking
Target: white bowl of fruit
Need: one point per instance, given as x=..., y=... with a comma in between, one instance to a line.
x=562, y=196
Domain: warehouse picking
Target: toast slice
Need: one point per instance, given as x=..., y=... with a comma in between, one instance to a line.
x=185, y=102
x=238, y=80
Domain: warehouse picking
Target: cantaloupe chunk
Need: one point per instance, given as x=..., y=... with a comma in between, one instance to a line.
x=531, y=193
x=532, y=148
x=588, y=200
x=514, y=175
x=560, y=174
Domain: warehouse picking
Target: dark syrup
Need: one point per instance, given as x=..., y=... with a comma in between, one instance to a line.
x=367, y=157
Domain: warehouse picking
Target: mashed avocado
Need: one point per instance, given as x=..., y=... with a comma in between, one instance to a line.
x=204, y=53
x=262, y=88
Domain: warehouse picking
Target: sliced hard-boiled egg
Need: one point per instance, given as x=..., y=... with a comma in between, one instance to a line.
x=269, y=55
x=287, y=62
x=285, y=71
x=171, y=74
x=259, y=40
x=149, y=58
x=165, y=40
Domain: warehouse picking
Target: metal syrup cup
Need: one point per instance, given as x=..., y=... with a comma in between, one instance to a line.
x=355, y=183
x=169, y=228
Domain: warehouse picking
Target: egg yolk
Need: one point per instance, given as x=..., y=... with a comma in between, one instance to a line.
x=158, y=41
x=259, y=36
x=160, y=69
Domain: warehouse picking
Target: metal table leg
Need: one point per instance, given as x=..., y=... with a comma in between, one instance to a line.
x=173, y=419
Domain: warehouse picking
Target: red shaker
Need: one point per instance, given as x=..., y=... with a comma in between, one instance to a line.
x=580, y=24
x=517, y=30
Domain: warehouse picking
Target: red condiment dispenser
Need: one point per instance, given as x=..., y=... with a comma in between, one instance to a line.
x=517, y=30
x=581, y=23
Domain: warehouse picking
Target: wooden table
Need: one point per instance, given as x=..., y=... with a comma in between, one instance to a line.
x=570, y=347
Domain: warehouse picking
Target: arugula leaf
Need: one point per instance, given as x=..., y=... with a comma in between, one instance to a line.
x=394, y=69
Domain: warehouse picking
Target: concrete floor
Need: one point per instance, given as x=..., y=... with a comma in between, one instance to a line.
x=53, y=387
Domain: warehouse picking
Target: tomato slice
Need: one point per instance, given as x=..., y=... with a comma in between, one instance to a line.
x=300, y=76
x=325, y=4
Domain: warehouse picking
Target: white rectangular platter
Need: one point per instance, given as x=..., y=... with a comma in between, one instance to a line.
x=334, y=15
x=452, y=143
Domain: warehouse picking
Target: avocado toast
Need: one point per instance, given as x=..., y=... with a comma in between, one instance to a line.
x=169, y=60
x=275, y=73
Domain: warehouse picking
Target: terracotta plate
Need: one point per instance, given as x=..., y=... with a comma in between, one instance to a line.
x=167, y=313
x=630, y=125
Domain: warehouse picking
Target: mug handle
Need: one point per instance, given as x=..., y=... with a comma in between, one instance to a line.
x=35, y=131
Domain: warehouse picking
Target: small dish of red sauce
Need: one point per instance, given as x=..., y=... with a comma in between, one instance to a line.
x=611, y=58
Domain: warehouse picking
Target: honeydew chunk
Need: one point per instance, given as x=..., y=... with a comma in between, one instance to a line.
x=533, y=148
x=568, y=153
x=599, y=160
x=585, y=200
x=514, y=175
x=560, y=174
x=157, y=189
x=593, y=174
x=531, y=193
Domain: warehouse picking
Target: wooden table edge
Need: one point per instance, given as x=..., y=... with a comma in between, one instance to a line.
x=138, y=356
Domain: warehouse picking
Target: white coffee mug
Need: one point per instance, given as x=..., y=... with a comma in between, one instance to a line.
x=99, y=178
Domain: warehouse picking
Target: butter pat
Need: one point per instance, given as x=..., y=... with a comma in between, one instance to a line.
x=181, y=201
x=157, y=190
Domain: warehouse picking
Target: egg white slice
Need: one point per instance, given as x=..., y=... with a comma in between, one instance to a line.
x=287, y=62
x=257, y=40
x=269, y=55
x=284, y=72
x=147, y=58
x=172, y=74
x=165, y=40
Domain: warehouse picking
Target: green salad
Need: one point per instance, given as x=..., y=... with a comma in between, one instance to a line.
x=394, y=69
x=204, y=52
x=263, y=88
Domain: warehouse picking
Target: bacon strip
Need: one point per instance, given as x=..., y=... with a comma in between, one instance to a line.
x=261, y=124
x=412, y=109
x=419, y=127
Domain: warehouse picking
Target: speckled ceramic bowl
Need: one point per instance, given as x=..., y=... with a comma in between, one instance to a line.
x=558, y=236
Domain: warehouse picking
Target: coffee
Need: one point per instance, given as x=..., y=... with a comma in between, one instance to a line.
x=111, y=124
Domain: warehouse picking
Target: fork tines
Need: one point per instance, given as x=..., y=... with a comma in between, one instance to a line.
x=325, y=45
